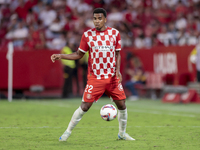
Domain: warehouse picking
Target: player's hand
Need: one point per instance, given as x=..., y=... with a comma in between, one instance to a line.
x=55, y=57
x=119, y=76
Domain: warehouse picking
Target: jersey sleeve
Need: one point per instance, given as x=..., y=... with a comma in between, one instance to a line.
x=83, y=47
x=118, y=42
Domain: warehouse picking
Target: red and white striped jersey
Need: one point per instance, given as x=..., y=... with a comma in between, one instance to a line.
x=101, y=46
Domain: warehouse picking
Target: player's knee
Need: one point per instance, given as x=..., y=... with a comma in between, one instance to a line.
x=85, y=106
x=120, y=104
x=122, y=107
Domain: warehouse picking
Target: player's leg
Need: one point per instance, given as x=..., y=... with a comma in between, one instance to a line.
x=93, y=90
x=78, y=114
x=76, y=117
x=122, y=118
x=115, y=90
x=122, y=115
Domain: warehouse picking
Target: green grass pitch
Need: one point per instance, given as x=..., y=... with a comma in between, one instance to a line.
x=37, y=125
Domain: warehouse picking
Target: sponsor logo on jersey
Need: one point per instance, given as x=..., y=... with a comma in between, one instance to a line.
x=104, y=48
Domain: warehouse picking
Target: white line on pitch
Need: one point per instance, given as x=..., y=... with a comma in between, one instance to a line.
x=103, y=127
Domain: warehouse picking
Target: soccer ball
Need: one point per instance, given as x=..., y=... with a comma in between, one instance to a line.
x=108, y=112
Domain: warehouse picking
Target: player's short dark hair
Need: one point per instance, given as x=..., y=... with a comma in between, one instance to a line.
x=100, y=10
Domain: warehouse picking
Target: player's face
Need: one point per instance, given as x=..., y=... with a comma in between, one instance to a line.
x=99, y=21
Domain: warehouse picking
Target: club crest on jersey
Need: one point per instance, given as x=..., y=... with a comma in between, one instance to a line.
x=120, y=87
x=112, y=39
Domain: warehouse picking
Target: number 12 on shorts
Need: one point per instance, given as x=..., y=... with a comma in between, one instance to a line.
x=89, y=88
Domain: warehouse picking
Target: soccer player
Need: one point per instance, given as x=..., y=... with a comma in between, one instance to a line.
x=104, y=45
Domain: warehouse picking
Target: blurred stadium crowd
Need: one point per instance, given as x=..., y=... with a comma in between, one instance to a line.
x=48, y=24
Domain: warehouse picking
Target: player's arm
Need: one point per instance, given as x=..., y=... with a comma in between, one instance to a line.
x=118, y=57
x=76, y=55
x=118, y=62
x=73, y=56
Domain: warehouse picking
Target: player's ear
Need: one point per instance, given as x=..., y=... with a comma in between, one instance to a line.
x=105, y=20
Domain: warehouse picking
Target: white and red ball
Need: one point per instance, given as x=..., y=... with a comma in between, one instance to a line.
x=108, y=112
